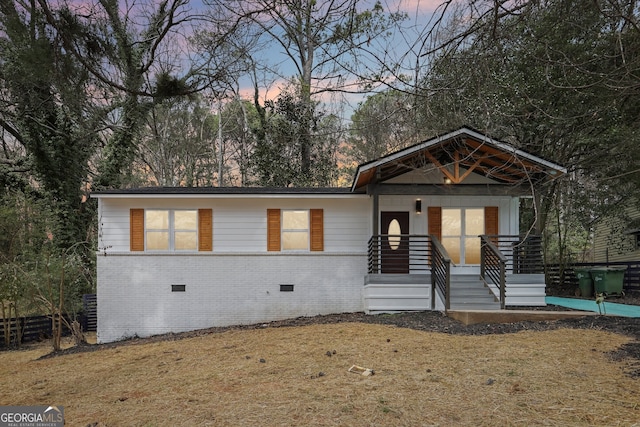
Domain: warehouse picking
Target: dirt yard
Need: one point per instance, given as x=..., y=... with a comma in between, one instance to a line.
x=428, y=370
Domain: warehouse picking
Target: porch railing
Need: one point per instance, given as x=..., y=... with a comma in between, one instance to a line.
x=523, y=254
x=398, y=254
x=493, y=267
x=404, y=254
x=440, y=272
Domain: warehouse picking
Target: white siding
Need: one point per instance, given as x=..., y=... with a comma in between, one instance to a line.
x=608, y=247
x=508, y=209
x=240, y=225
x=239, y=281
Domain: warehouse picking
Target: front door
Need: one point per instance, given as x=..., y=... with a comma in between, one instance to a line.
x=395, y=242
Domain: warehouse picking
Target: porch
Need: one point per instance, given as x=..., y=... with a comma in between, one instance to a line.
x=415, y=272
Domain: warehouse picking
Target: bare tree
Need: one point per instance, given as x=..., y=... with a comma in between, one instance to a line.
x=321, y=42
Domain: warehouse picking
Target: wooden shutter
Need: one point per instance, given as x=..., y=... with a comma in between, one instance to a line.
x=434, y=218
x=491, y=225
x=205, y=230
x=317, y=230
x=136, y=230
x=273, y=230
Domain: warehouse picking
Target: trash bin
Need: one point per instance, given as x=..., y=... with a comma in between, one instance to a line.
x=608, y=280
x=585, y=283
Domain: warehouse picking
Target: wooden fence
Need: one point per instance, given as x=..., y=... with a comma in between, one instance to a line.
x=25, y=329
x=37, y=328
x=564, y=277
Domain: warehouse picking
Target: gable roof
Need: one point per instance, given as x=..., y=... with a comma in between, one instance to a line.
x=457, y=154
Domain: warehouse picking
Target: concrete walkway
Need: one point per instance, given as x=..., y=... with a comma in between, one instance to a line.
x=611, y=308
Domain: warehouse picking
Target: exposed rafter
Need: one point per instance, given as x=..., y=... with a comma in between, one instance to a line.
x=457, y=156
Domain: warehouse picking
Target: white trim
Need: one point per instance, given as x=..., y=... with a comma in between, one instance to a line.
x=226, y=196
x=229, y=254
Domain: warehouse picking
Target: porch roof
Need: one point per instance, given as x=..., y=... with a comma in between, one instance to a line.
x=456, y=155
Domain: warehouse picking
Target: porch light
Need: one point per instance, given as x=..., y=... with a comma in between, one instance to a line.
x=418, y=206
x=447, y=180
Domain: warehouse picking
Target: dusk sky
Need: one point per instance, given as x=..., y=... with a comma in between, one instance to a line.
x=405, y=47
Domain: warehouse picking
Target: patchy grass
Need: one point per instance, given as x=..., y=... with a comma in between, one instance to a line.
x=299, y=376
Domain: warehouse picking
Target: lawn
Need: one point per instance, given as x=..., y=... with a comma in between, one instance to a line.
x=298, y=376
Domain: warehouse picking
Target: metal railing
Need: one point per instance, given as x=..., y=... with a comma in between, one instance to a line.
x=398, y=254
x=404, y=254
x=440, y=272
x=493, y=267
x=523, y=254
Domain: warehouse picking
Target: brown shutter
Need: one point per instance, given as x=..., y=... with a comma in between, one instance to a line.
x=136, y=230
x=434, y=218
x=317, y=230
x=273, y=229
x=491, y=221
x=205, y=230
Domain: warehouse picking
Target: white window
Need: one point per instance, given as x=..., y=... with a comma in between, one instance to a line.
x=295, y=230
x=171, y=230
x=460, y=231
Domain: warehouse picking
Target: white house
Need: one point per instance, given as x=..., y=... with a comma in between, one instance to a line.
x=405, y=236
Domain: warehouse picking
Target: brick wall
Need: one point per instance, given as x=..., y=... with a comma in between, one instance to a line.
x=135, y=296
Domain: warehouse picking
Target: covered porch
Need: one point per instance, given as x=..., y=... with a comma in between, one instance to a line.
x=445, y=225
x=415, y=272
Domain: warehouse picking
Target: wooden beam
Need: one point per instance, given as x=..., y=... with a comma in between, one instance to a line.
x=453, y=190
x=472, y=167
x=444, y=170
x=503, y=155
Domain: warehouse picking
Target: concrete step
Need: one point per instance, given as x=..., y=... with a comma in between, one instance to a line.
x=465, y=278
x=468, y=305
x=461, y=292
x=469, y=293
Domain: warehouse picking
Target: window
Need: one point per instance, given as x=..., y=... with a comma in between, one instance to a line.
x=295, y=230
x=460, y=231
x=171, y=229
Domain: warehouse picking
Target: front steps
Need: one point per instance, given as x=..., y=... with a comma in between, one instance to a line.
x=393, y=293
x=469, y=293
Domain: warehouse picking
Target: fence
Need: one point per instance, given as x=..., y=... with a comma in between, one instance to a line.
x=38, y=328
x=89, y=313
x=563, y=276
x=25, y=329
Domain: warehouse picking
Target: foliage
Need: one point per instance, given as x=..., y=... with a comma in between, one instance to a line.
x=383, y=123
x=177, y=145
x=236, y=123
x=321, y=41
x=36, y=276
x=556, y=82
x=278, y=159
x=45, y=98
x=58, y=280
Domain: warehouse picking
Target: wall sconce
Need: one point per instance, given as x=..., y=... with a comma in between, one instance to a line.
x=418, y=206
x=447, y=180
